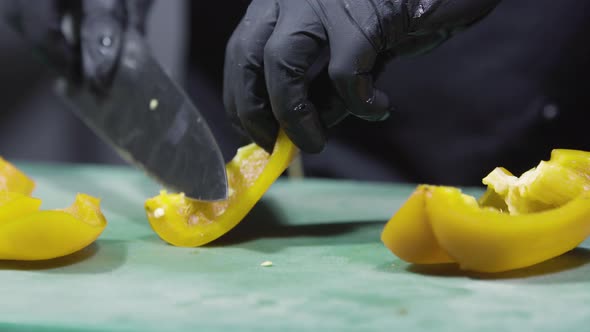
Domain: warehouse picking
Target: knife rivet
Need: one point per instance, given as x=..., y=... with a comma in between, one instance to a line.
x=106, y=41
x=153, y=104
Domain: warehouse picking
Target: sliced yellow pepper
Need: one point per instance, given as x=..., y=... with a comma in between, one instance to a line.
x=27, y=233
x=14, y=205
x=452, y=227
x=184, y=222
x=549, y=185
x=12, y=179
x=573, y=159
x=410, y=235
x=487, y=240
x=517, y=223
x=53, y=233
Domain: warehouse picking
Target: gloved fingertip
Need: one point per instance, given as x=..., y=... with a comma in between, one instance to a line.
x=266, y=139
x=308, y=143
x=267, y=146
x=263, y=133
x=306, y=130
x=378, y=108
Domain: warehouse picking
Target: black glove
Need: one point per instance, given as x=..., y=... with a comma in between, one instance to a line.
x=278, y=41
x=80, y=38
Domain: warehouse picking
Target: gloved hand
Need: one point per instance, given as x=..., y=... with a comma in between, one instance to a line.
x=278, y=41
x=80, y=38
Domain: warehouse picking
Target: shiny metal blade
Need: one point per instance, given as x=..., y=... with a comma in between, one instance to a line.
x=150, y=121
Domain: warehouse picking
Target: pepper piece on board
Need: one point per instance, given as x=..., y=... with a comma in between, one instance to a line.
x=50, y=234
x=28, y=233
x=483, y=239
x=518, y=222
x=487, y=240
x=12, y=179
x=184, y=222
x=14, y=205
x=410, y=235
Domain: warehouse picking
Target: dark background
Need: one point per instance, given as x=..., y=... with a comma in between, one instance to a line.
x=503, y=93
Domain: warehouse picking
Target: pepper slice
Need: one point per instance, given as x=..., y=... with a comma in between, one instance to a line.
x=549, y=185
x=409, y=234
x=27, y=233
x=184, y=222
x=15, y=205
x=450, y=224
x=12, y=179
x=487, y=240
x=518, y=222
x=53, y=233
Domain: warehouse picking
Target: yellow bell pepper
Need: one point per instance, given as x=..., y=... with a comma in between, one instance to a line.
x=184, y=222
x=53, y=233
x=12, y=179
x=410, y=235
x=14, y=205
x=491, y=241
x=449, y=226
x=549, y=185
x=517, y=223
x=27, y=233
x=573, y=159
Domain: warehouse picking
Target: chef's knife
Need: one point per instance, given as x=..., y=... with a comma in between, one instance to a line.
x=151, y=123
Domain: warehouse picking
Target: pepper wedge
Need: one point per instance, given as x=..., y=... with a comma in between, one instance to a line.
x=409, y=234
x=27, y=233
x=184, y=222
x=12, y=179
x=485, y=239
x=518, y=222
x=15, y=205
x=52, y=233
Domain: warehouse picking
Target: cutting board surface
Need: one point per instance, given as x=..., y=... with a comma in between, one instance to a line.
x=330, y=271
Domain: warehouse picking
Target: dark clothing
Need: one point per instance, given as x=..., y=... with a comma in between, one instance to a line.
x=503, y=93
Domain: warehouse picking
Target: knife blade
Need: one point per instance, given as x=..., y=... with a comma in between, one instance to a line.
x=151, y=123
x=148, y=119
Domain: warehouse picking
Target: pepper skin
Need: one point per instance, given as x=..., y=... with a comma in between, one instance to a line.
x=14, y=205
x=12, y=179
x=410, y=236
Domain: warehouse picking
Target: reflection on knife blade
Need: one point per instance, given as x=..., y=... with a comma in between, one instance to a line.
x=151, y=123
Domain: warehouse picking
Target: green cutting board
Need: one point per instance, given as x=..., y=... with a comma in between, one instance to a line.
x=330, y=270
